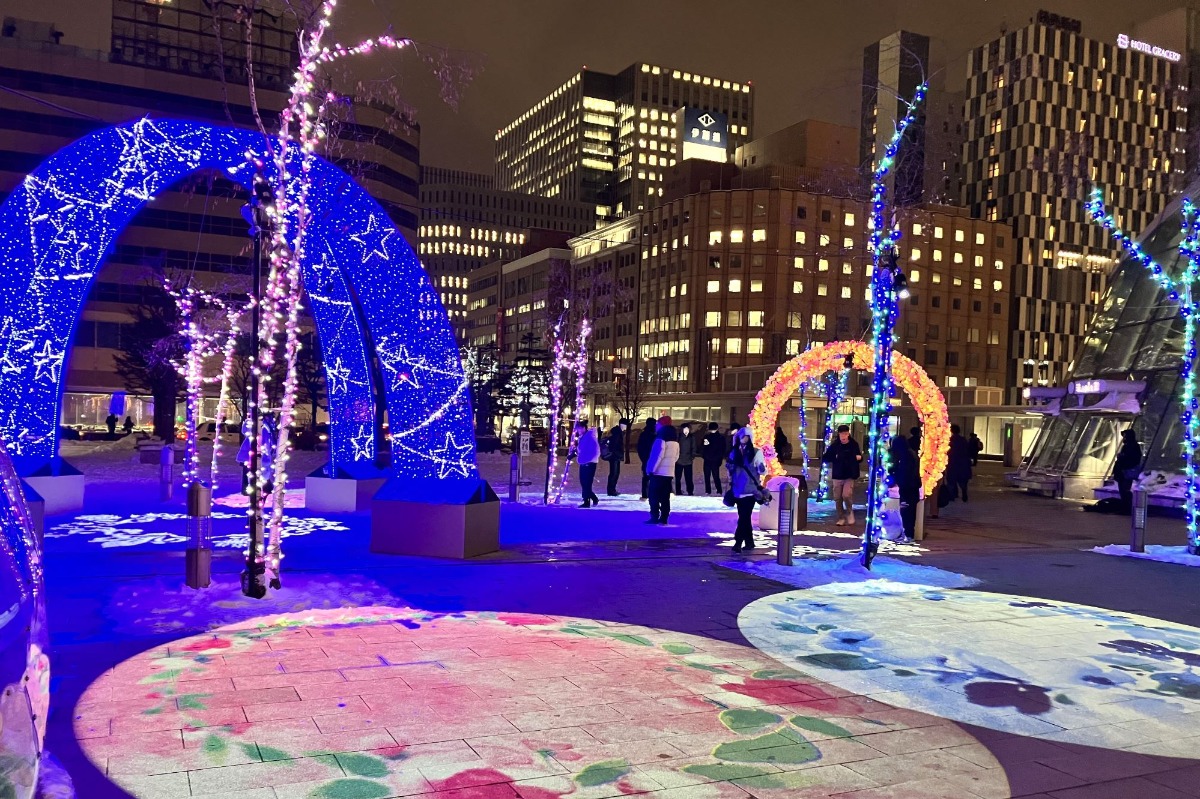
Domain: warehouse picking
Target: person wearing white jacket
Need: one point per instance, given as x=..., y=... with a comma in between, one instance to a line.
x=587, y=453
x=661, y=470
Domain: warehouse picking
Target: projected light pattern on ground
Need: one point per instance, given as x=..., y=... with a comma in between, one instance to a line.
x=169, y=529
x=58, y=225
x=381, y=702
x=1065, y=672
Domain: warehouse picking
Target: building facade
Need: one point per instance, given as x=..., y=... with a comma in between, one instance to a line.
x=607, y=140
x=1050, y=113
x=467, y=223
x=61, y=93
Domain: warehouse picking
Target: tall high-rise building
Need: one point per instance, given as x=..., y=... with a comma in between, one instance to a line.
x=929, y=167
x=1051, y=113
x=607, y=140
x=163, y=61
x=466, y=223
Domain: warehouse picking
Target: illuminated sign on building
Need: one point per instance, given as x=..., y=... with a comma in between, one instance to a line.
x=1125, y=43
x=705, y=134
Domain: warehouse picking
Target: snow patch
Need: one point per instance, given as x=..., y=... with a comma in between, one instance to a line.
x=1162, y=554
x=844, y=575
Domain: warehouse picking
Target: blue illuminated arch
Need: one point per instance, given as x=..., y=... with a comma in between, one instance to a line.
x=58, y=226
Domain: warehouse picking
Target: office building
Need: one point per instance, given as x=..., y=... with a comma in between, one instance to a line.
x=607, y=140
x=929, y=167
x=162, y=61
x=467, y=223
x=1050, y=113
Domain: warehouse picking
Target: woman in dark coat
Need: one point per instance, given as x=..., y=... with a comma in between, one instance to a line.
x=906, y=475
x=1126, y=468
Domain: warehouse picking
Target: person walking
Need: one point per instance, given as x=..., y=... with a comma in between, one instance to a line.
x=906, y=475
x=914, y=440
x=1126, y=468
x=712, y=451
x=746, y=467
x=683, y=467
x=111, y=424
x=128, y=426
x=644, y=443
x=587, y=455
x=660, y=467
x=958, y=463
x=976, y=448
x=843, y=456
x=616, y=454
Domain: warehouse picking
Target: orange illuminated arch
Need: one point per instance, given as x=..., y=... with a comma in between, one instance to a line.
x=927, y=401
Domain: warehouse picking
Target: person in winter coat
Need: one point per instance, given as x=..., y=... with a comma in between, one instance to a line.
x=958, y=463
x=783, y=447
x=843, y=456
x=616, y=454
x=914, y=440
x=660, y=467
x=587, y=455
x=683, y=467
x=644, y=443
x=1126, y=468
x=976, y=448
x=713, y=450
x=906, y=475
x=746, y=468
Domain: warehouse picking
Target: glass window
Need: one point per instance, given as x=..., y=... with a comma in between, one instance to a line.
x=822, y=290
x=714, y=286
x=960, y=235
x=848, y=219
x=848, y=243
x=846, y=292
x=999, y=265
x=714, y=237
x=759, y=234
x=733, y=346
x=993, y=337
x=735, y=318
x=801, y=237
x=818, y=321
x=979, y=238
x=938, y=232
x=916, y=229
x=736, y=236
x=914, y=276
x=847, y=268
x=795, y=319
x=755, y=319
x=997, y=285
x=937, y=255
x=823, y=265
x=798, y=262
x=756, y=286
x=712, y=319
x=735, y=285
x=754, y=346
x=797, y=286
x=915, y=255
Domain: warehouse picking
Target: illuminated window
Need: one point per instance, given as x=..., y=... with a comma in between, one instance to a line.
x=914, y=276
x=755, y=319
x=801, y=237
x=735, y=285
x=915, y=255
x=823, y=265
x=847, y=268
x=999, y=265
x=848, y=243
x=977, y=283
x=756, y=286
x=822, y=290
x=712, y=319
x=759, y=234
x=735, y=318
x=733, y=346
x=848, y=219
x=960, y=235
x=736, y=236
x=958, y=257
x=993, y=337
x=754, y=346
x=846, y=294
x=798, y=262
x=938, y=232
x=714, y=237
x=937, y=255
x=936, y=278
x=916, y=229
x=997, y=285
x=825, y=239
x=795, y=319
x=797, y=286
x=818, y=321
x=714, y=286
x=979, y=238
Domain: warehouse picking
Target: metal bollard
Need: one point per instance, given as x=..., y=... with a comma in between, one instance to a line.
x=801, y=514
x=787, y=524
x=198, y=557
x=1137, y=527
x=514, y=478
x=919, y=526
x=166, y=477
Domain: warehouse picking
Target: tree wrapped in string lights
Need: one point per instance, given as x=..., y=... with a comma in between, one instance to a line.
x=569, y=357
x=1184, y=290
x=888, y=282
x=833, y=385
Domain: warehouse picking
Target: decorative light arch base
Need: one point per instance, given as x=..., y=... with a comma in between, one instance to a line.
x=811, y=364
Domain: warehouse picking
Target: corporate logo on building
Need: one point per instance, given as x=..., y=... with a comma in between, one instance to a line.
x=705, y=134
x=1126, y=43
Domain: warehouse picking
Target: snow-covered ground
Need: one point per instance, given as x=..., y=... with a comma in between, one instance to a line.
x=1162, y=554
x=886, y=574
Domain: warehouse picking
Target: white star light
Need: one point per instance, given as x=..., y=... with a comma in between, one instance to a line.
x=450, y=458
x=47, y=363
x=402, y=367
x=374, y=239
x=364, y=449
x=338, y=377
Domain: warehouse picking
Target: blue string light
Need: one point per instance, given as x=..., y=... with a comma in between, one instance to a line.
x=57, y=227
x=1184, y=293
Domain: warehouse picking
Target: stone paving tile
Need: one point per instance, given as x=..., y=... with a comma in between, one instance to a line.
x=813, y=783
x=263, y=775
x=920, y=739
x=1185, y=779
x=303, y=708
x=1100, y=765
x=160, y=786
x=148, y=763
x=1030, y=778
x=253, y=681
x=924, y=789
x=178, y=720
x=1133, y=788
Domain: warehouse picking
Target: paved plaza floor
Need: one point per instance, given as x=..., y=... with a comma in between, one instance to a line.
x=596, y=656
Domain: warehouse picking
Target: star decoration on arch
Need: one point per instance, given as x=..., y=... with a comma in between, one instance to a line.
x=451, y=459
x=338, y=377
x=362, y=444
x=47, y=362
x=374, y=239
x=402, y=366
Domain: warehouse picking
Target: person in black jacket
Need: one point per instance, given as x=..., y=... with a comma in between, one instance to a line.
x=616, y=454
x=713, y=450
x=958, y=463
x=684, y=477
x=914, y=440
x=644, y=443
x=843, y=456
x=1126, y=468
x=906, y=475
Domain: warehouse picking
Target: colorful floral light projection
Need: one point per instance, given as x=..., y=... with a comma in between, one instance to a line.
x=1183, y=290
x=56, y=229
x=811, y=364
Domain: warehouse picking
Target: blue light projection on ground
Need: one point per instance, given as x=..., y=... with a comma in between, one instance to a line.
x=57, y=227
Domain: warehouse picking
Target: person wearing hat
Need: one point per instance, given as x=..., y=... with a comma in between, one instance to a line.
x=746, y=468
x=712, y=451
x=843, y=456
x=615, y=454
x=644, y=443
x=660, y=468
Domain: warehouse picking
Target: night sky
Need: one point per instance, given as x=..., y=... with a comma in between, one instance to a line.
x=803, y=56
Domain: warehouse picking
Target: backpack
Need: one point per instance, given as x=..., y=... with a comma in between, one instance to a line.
x=605, y=450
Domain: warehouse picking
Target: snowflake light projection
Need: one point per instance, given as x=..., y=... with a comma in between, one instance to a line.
x=57, y=227
x=167, y=529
